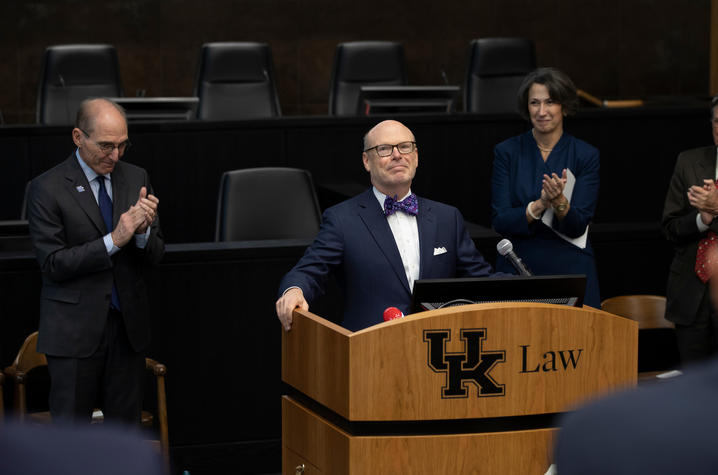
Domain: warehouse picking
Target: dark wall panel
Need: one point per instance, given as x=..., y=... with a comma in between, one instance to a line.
x=634, y=48
x=186, y=160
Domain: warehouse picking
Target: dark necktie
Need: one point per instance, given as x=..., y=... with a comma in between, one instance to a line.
x=408, y=205
x=703, y=264
x=103, y=200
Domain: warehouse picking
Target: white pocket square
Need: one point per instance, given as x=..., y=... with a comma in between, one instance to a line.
x=439, y=250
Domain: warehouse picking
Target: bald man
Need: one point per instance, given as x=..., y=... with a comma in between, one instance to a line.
x=93, y=223
x=379, y=242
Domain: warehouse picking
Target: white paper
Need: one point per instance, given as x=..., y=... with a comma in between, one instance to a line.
x=669, y=374
x=547, y=217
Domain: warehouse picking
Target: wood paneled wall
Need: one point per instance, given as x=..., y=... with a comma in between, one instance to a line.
x=611, y=48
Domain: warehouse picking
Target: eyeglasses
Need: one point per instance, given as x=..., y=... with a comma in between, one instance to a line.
x=384, y=150
x=108, y=147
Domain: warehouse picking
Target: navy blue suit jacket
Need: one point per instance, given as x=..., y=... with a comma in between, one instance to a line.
x=356, y=243
x=517, y=175
x=75, y=450
x=667, y=428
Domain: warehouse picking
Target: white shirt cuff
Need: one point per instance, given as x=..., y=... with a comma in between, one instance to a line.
x=699, y=222
x=528, y=210
x=290, y=288
x=141, y=239
x=109, y=244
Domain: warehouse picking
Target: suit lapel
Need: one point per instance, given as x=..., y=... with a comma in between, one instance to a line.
x=427, y=237
x=375, y=222
x=706, y=166
x=78, y=187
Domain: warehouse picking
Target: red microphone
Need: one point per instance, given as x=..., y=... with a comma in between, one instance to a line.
x=392, y=313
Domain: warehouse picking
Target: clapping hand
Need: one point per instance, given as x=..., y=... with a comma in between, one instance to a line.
x=705, y=199
x=553, y=187
x=149, y=204
x=136, y=219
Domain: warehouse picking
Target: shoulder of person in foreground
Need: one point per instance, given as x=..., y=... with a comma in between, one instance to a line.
x=668, y=427
x=75, y=450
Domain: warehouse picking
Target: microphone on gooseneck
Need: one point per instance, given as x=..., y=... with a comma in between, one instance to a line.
x=444, y=77
x=506, y=249
x=66, y=96
x=392, y=313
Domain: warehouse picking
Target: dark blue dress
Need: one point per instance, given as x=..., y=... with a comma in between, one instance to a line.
x=516, y=180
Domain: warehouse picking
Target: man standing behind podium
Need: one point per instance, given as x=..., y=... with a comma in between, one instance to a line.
x=379, y=242
x=93, y=223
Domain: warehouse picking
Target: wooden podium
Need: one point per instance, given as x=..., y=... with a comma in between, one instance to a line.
x=464, y=390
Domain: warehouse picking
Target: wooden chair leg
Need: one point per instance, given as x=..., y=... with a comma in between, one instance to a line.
x=162, y=414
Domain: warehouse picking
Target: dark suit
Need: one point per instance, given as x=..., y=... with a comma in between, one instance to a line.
x=688, y=304
x=667, y=428
x=356, y=242
x=77, y=273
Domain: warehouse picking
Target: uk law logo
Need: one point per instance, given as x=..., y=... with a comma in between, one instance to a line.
x=461, y=368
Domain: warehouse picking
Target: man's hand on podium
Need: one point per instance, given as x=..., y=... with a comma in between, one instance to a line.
x=292, y=298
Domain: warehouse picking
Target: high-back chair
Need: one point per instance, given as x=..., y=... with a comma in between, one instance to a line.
x=657, y=347
x=267, y=203
x=364, y=63
x=72, y=73
x=496, y=67
x=235, y=80
x=28, y=359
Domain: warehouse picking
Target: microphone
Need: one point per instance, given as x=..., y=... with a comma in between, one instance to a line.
x=444, y=77
x=506, y=249
x=392, y=313
x=66, y=95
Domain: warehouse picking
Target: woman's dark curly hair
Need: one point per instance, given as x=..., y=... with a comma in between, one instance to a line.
x=560, y=89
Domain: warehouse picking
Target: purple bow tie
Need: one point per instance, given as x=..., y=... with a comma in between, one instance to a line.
x=409, y=205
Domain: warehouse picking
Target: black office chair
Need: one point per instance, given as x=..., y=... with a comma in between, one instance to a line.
x=236, y=81
x=23, y=210
x=267, y=203
x=72, y=73
x=496, y=67
x=364, y=63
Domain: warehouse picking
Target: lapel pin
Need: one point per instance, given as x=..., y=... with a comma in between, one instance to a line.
x=80, y=189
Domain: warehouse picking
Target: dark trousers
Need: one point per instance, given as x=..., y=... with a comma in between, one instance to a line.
x=111, y=379
x=699, y=341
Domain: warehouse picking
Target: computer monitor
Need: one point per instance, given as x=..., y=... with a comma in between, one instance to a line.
x=430, y=294
x=158, y=108
x=398, y=100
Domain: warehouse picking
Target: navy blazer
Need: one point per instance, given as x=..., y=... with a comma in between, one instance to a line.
x=355, y=242
x=663, y=428
x=74, y=450
x=517, y=180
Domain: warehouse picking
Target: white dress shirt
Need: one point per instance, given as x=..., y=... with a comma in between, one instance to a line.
x=140, y=239
x=406, y=234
